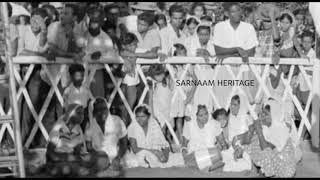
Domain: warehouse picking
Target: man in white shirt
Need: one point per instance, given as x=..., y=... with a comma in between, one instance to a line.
x=172, y=34
x=33, y=42
x=148, y=37
x=234, y=37
x=96, y=43
x=129, y=23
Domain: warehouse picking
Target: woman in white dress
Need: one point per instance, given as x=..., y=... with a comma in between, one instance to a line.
x=149, y=147
x=199, y=149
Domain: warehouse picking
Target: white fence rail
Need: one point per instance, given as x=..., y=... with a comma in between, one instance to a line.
x=312, y=125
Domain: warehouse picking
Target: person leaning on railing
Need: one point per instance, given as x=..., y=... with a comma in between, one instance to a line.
x=33, y=42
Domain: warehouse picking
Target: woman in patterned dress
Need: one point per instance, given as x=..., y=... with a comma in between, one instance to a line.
x=273, y=146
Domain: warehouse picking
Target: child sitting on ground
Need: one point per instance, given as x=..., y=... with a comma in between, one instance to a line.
x=65, y=143
x=234, y=157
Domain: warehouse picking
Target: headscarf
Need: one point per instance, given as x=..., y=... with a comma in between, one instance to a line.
x=108, y=140
x=278, y=133
x=91, y=108
x=154, y=138
x=240, y=123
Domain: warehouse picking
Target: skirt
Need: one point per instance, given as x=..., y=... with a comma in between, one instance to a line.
x=273, y=162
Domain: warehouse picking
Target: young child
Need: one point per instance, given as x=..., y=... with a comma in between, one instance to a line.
x=65, y=141
x=179, y=104
x=129, y=54
x=307, y=44
x=160, y=97
x=129, y=43
x=221, y=115
x=77, y=92
x=235, y=158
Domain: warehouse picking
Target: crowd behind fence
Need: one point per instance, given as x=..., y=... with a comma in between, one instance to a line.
x=307, y=121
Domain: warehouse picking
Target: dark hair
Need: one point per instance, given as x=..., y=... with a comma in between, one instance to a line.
x=201, y=107
x=192, y=20
x=267, y=107
x=9, y=10
x=219, y=112
x=98, y=15
x=179, y=47
x=299, y=12
x=74, y=9
x=97, y=105
x=286, y=15
x=158, y=17
x=176, y=9
x=196, y=4
x=75, y=68
x=204, y=27
x=308, y=34
x=108, y=25
x=236, y=97
x=49, y=7
x=128, y=38
x=157, y=69
x=27, y=19
x=206, y=18
x=148, y=17
x=227, y=5
x=40, y=11
x=142, y=109
x=161, y=5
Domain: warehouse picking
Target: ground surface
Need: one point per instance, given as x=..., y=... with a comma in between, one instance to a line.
x=308, y=167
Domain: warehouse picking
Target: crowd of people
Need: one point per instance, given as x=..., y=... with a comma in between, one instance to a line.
x=173, y=126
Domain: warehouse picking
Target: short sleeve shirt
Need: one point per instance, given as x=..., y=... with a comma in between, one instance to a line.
x=79, y=96
x=227, y=37
x=151, y=40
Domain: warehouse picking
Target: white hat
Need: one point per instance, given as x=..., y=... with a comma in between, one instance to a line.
x=148, y=6
x=56, y=4
x=18, y=10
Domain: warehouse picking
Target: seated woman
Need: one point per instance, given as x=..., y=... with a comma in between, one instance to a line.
x=273, y=147
x=235, y=159
x=65, y=142
x=199, y=139
x=106, y=137
x=149, y=147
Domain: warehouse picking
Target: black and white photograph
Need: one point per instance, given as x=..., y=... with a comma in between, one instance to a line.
x=160, y=89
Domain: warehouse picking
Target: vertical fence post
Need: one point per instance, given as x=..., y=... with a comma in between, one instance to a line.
x=315, y=104
x=13, y=97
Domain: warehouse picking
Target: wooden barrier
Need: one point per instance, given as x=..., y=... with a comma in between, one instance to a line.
x=253, y=65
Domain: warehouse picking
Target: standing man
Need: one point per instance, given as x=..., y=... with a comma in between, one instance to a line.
x=233, y=38
x=172, y=34
x=61, y=42
x=97, y=43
